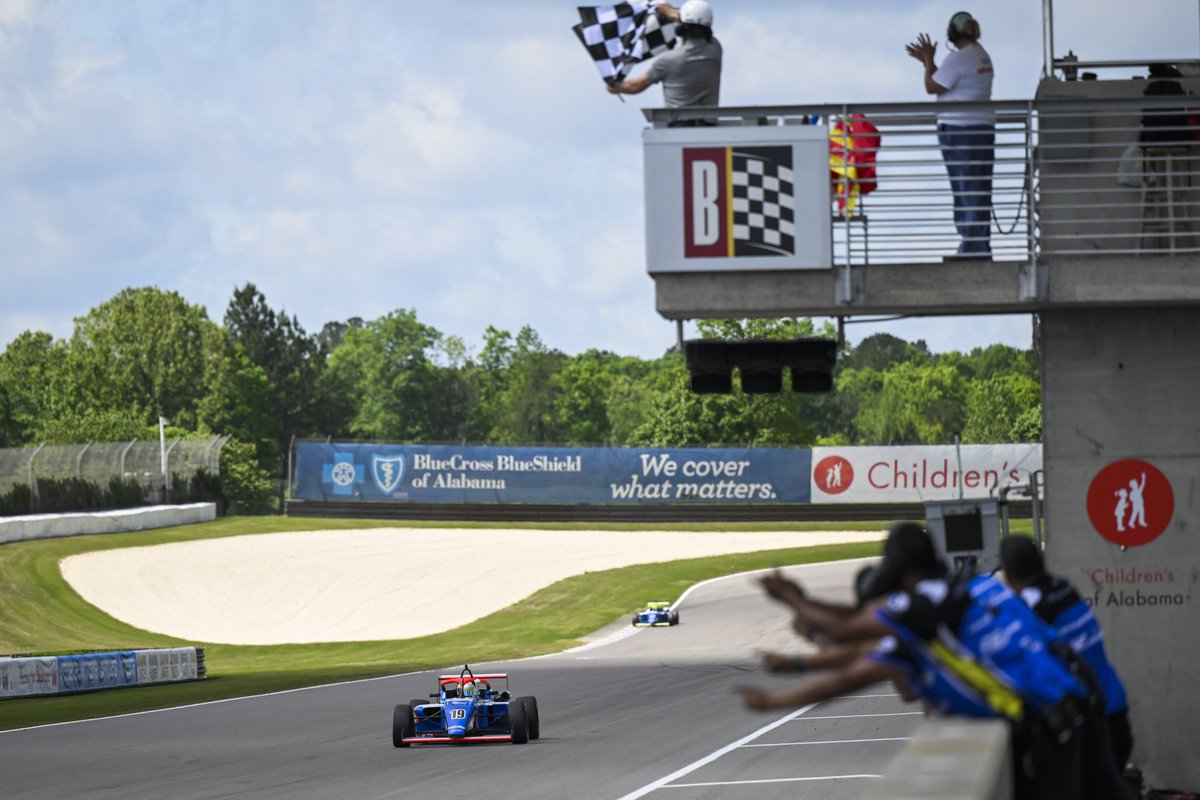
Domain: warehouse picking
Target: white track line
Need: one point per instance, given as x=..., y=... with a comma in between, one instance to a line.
x=859, y=716
x=832, y=741
x=711, y=757
x=769, y=780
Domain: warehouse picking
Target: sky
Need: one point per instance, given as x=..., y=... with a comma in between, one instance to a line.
x=355, y=157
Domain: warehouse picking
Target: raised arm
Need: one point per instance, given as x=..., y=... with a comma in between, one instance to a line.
x=860, y=673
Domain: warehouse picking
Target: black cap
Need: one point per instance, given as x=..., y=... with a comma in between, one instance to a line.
x=1021, y=558
x=907, y=549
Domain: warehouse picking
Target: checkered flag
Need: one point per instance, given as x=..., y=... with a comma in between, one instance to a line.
x=621, y=35
x=764, y=202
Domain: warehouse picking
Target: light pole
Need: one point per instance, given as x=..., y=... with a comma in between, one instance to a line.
x=162, y=451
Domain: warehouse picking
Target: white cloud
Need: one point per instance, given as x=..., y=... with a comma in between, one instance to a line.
x=354, y=158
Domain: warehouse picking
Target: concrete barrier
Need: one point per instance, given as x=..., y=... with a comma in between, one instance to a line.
x=49, y=526
x=950, y=759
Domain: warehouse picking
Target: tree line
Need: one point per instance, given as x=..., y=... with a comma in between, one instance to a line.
x=260, y=377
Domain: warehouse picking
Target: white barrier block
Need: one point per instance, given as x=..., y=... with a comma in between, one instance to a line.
x=950, y=759
x=166, y=665
x=49, y=526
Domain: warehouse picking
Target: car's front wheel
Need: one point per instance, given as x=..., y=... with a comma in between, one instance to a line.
x=402, y=725
x=519, y=720
x=531, y=716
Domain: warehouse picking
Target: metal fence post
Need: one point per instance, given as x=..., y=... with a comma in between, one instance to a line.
x=79, y=462
x=128, y=447
x=33, y=492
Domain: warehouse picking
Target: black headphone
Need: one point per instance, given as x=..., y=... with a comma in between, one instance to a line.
x=954, y=30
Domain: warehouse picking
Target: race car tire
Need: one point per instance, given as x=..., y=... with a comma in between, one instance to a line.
x=531, y=716
x=519, y=721
x=415, y=703
x=402, y=725
x=674, y=617
x=635, y=620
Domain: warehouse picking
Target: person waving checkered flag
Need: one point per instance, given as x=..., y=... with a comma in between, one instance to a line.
x=621, y=35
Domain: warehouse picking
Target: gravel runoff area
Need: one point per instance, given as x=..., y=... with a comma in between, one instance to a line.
x=379, y=584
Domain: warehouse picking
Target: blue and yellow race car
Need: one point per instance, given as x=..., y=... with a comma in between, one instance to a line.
x=657, y=614
x=467, y=708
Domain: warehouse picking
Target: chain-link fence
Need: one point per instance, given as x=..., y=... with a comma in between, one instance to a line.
x=99, y=463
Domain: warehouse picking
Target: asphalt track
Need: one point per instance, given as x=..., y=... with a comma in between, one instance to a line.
x=638, y=713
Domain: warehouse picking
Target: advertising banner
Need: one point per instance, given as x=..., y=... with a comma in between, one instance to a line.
x=919, y=473
x=549, y=475
x=25, y=677
x=97, y=671
x=166, y=665
x=737, y=198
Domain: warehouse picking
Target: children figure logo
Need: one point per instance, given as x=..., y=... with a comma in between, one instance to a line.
x=833, y=475
x=1130, y=502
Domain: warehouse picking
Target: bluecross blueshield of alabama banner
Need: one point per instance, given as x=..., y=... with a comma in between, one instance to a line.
x=566, y=475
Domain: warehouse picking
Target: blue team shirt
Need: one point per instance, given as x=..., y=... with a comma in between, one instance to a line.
x=1055, y=601
x=973, y=630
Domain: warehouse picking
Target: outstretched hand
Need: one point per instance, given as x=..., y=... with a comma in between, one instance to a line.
x=783, y=589
x=774, y=662
x=923, y=49
x=753, y=697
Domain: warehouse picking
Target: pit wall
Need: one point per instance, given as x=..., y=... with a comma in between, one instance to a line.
x=49, y=526
x=1120, y=396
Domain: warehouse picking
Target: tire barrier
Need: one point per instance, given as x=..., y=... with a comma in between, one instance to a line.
x=34, y=676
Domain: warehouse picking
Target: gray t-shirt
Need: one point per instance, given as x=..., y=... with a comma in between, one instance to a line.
x=690, y=73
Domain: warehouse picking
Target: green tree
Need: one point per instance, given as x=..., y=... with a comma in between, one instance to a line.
x=292, y=361
x=238, y=400
x=142, y=352
x=583, y=391
x=526, y=400
x=915, y=405
x=31, y=372
x=882, y=351
x=996, y=405
x=385, y=370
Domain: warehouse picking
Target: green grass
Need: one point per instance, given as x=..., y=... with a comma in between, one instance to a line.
x=41, y=614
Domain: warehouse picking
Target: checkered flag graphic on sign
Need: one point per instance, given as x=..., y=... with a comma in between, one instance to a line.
x=764, y=202
x=621, y=35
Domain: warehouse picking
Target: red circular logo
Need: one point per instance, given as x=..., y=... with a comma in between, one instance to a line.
x=1130, y=502
x=833, y=475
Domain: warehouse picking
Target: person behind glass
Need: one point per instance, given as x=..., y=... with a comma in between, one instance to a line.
x=690, y=72
x=967, y=138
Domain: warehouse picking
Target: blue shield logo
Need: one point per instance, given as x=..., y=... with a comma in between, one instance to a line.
x=387, y=471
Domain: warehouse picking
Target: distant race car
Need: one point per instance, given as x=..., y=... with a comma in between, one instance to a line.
x=467, y=708
x=656, y=614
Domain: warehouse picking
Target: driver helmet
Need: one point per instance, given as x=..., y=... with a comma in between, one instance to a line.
x=468, y=689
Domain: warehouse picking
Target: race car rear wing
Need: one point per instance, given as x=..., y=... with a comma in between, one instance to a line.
x=486, y=676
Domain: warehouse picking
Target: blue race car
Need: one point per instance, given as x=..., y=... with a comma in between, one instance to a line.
x=658, y=614
x=467, y=708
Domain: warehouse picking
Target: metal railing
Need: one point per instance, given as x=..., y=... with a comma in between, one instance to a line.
x=99, y=462
x=1070, y=177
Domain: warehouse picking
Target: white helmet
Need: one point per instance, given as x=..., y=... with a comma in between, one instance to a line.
x=696, y=12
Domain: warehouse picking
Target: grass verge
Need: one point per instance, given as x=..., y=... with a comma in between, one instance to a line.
x=40, y=613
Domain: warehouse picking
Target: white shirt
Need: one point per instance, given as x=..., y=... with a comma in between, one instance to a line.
x=967, y=76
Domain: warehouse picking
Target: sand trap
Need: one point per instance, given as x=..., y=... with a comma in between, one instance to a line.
x=340, y=586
